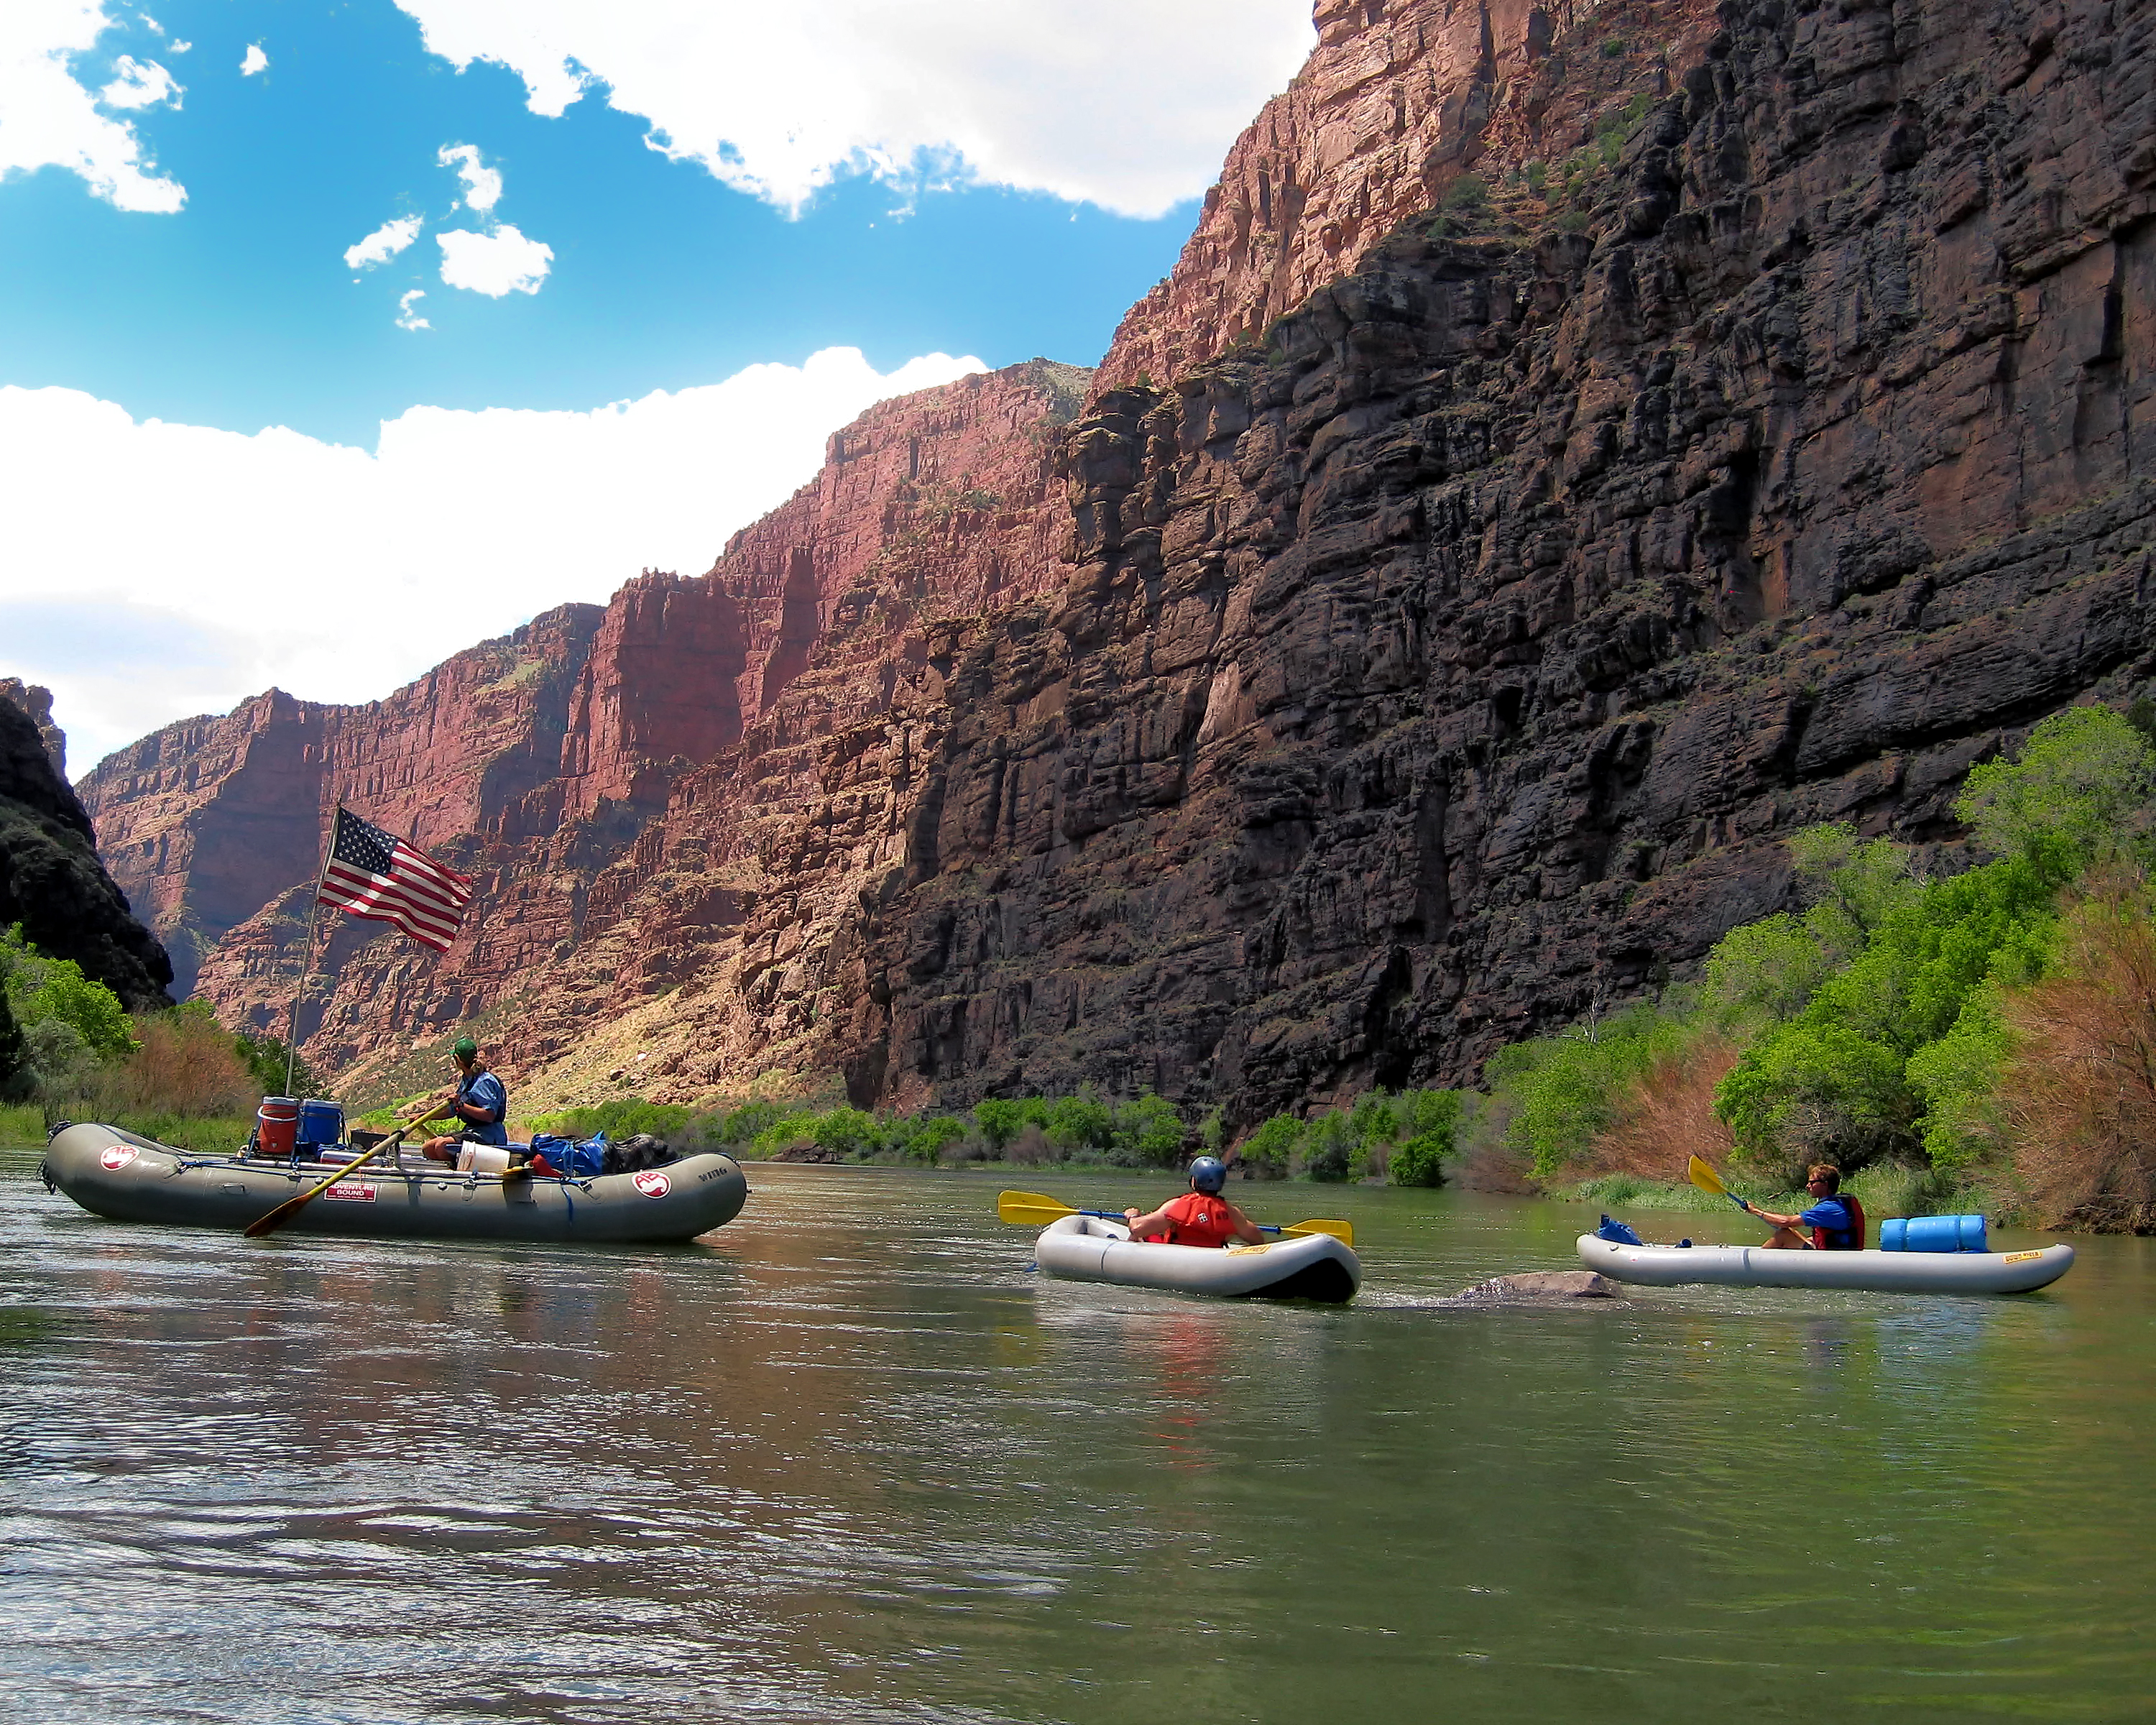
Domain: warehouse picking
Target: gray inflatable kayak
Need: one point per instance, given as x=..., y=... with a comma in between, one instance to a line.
x=1662, y=1266
x=116, y=1173
x=1313, y=1266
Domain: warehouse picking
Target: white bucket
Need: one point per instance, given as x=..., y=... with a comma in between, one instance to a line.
x=483, y=1159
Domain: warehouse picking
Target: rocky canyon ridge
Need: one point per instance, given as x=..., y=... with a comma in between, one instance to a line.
x=1577, y=447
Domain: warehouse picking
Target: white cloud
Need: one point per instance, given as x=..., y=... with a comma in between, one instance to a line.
x=384, y=243
x=48, y=119
x=256, y=61
x=482, y=184
x=182, y=47
x=407, y=318
x=152, y=25
x=246, y=555
x=139, y=83
x=502, y=262
x=778, y=101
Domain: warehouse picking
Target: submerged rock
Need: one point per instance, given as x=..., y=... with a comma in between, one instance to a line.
x=1542, y=1285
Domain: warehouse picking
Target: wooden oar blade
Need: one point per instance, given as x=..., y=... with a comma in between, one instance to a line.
x=1342, y=1231
x=262, y=1224
x=1031, y=1209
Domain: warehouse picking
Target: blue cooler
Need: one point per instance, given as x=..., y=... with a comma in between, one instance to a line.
x=1933, y=1234
x=321, y=1124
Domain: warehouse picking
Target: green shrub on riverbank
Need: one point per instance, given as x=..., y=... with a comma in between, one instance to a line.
x=69, y=1051
x=1889, y=1026
x=1406, y=1138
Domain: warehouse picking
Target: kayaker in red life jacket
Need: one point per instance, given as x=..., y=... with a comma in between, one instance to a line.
x=1201, y=1217
x=1837, y=1220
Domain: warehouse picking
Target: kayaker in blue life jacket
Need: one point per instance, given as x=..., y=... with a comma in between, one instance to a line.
x=1836, y=1221
x=480, y=1105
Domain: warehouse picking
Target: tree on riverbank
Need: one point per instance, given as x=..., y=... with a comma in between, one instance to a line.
x=75, y=1052
x=1980, y=1029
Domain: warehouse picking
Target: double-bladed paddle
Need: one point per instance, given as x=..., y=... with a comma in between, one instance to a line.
x=1705, y=1177
x=1033, y=1210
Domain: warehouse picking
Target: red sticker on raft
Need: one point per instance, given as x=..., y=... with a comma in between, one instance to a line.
x=653, y=1185
x=116, y=1156
x=352, y=1191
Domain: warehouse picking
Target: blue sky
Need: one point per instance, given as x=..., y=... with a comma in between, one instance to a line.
x=931, y=183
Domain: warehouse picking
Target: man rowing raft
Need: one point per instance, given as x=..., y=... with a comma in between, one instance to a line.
x=1201, y=1217
x=481, y=1106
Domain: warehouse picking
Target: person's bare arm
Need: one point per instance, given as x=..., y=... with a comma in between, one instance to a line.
x=1795, y=1225
x=1247, y=1231
x=1144, y=1226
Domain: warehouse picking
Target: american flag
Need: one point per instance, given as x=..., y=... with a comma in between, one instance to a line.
x=376, y=875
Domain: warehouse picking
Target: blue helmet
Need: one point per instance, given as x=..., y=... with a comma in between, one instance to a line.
x=1209, y=1173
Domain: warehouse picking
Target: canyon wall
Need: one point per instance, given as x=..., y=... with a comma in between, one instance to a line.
x=51, y=881
x=1577, y=448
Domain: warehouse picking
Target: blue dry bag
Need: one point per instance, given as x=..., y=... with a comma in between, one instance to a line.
x=578, y=1161
x=1619, y=1231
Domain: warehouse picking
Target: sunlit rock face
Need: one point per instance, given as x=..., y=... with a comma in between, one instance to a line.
x=51, y=882
x=1430, y=625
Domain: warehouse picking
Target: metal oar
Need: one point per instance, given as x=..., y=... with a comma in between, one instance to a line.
x=1034, y=1209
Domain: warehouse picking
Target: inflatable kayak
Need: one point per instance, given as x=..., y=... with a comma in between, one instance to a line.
x=1313, y=1266
x=115, y=1174
x=1662, y=1266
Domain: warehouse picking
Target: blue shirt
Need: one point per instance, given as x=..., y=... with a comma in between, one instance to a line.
x=1835, y=1216
x=484, y=1090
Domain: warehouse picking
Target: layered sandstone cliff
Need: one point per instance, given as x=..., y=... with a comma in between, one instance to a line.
x=561, y=765
x=1443, y=635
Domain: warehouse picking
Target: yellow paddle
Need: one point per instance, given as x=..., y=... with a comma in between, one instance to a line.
x=1706, y=1178
x=263, y=1223
x=1033, y=1210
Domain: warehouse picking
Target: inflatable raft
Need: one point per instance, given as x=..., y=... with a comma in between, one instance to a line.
x=1662, y=1266
x=1313, y=1266
x=115, y=1174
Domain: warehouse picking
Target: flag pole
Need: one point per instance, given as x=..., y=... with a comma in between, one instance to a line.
x=306, y=975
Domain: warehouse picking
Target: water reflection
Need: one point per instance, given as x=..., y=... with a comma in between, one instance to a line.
x=849, y=1459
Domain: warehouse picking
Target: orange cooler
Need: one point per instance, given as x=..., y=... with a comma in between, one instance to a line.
x=277, y=1124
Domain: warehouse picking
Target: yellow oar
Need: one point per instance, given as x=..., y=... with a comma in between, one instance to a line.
x=262, y=1224
x=1034, y=1209
x=1706, y=1178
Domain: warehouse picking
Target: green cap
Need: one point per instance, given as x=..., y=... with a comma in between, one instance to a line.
x=465, y=1049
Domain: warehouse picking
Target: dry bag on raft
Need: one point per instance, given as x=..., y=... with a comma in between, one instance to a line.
x=1933, y=1234
x=569, y=1159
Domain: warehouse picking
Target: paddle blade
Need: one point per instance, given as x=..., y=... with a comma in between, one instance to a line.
x=262, y=1224
x=1031, y=1209
x=1707, y=1179
x=1342, y=1231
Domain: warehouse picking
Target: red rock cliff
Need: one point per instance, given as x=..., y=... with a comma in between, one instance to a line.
x=1399, y=100
x=1764, y=439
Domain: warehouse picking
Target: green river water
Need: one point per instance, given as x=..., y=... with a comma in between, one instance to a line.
x=847, y=1460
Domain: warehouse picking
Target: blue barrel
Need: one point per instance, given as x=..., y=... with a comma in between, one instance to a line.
x=1933, y=1234
x=320, y=1122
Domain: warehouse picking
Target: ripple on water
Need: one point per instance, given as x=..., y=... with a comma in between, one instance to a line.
x=849, y=1459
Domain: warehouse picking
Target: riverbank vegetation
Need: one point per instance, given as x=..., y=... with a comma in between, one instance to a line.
x=1406, y=1138
x=1975, y=1037
x=70, y=1050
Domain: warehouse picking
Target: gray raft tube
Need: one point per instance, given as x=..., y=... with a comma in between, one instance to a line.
x=117, y=1174
x=1313, y=1266
x=1870, y=1271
